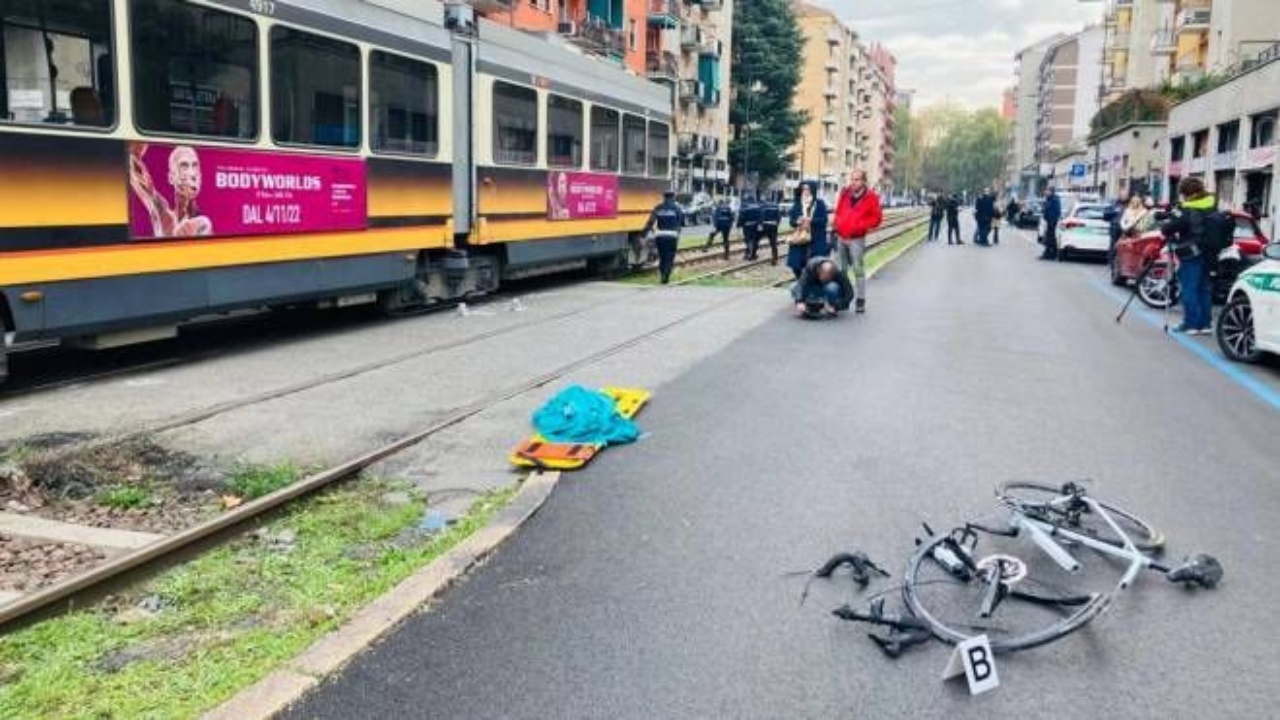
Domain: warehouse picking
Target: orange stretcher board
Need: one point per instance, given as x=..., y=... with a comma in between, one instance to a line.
x=537, y=452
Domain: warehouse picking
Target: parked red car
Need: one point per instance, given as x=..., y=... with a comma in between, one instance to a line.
x=1135, y=253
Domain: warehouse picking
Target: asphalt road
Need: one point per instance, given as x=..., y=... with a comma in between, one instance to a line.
x=654, y=584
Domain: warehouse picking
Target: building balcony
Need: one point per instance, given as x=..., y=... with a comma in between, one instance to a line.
x=828, y=146
x=1163, y=42
x=686, y=144
x=664, y=13
x=710, y=46
x=709, y=98
x=831, y=91
x=690, y=37
x=832, y=65
x=689, y=90
x=834, y=36
x=594, y=35
x=492, y=6
x=710, y=5
x=1189, y=61
x=829, y=119
x=662, y=66
x=1119, y=40
x=1193, y=20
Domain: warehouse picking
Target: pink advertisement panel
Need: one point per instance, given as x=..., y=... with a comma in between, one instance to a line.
x=581, y=196
x=180, y=191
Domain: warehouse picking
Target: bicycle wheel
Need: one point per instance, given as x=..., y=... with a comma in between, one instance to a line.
x=1033, y=499
x=1038, y=605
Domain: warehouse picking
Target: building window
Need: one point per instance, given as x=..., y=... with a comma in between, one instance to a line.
x=604, y=139
x=1200, y=144
x=515, y=124
x=564, y=132
x=1177, y=148
x=195, y=70
x=633, y=152
x=404, y=98
x=1263, y=131
x=659, y=149
x=315, y=89
x=631, y=35
x=70, y=41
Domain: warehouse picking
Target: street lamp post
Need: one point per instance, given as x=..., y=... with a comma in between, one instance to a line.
x=755, y=89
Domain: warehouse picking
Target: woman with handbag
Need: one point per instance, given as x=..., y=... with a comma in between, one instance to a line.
x=809, y=220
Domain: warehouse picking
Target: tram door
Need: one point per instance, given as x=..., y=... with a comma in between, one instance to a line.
x=464, y=177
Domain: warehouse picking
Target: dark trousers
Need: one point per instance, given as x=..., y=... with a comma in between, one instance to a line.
x=751, y=236
x=983, y=233
x=770, y=232
x=995, y=233
x=1050, y=241
x=720, y=231
x=666, y=245
x=953, y=228
x=935, y=228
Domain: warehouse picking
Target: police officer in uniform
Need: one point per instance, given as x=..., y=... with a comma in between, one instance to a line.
x=770, y=216
x=722, y=220
x=749, y=221
x=667, y=218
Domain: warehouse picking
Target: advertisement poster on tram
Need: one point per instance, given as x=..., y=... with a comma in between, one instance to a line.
x=189, y=191
x=581, y=196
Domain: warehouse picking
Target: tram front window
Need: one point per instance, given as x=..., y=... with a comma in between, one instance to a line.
x=55, y=56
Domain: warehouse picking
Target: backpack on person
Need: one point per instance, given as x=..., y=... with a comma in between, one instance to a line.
x=1217, y=233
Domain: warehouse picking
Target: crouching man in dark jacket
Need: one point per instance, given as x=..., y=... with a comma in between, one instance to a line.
x=822, y=290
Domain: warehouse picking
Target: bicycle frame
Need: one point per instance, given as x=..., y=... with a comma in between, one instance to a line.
x=1043, y=533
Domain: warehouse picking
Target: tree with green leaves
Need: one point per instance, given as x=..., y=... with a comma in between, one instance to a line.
x=768, y=48
x=967, y=152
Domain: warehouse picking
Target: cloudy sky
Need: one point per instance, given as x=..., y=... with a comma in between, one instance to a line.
x=960, y=50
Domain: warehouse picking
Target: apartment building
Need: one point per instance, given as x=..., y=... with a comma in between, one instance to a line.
x=613, y=29
x=1023, y=169
x=688, y=45
x=1132, y=30
x=681, y=43
x=848, y=90
x=1227, y=137
x=1213, y=36
x=1067, y=93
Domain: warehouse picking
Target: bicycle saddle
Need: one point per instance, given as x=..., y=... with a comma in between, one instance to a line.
x=1203, y=570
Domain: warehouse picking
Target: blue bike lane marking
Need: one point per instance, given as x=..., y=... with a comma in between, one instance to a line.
x=1218, y=362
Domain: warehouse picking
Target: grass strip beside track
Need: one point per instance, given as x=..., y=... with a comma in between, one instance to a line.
x=231, y=616
x=884, y=253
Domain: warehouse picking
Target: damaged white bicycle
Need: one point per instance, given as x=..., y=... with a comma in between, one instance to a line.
x=1032, y=580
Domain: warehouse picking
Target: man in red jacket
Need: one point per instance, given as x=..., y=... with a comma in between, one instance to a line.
x=857, y=214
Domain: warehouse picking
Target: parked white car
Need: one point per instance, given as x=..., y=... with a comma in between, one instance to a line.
x=1249, y=324
x=1084, y=231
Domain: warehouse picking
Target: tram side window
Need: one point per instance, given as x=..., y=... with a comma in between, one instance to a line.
x=315, y=89
x=56, y=61
x=604, y=139
x=659, y=149
x=195, y=70
x=564, y=132
x=515, y=124
x=405, y=96
x=633, y=135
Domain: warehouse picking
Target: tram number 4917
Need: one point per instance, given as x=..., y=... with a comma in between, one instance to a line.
x=263, y=7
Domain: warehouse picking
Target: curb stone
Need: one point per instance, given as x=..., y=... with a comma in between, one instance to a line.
x=289, y=683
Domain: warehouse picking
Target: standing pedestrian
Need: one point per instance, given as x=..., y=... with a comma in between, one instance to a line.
x=1188, y=232
x=984, y=211
x=749, y=221
x=722, y=223
x=1052, y=214
x=857, y=213
x=1115, y=229
x=937, y=211
x=1011, y=210
x=667, y=218
x=809, y=218
x=953, y=219
x=770, y=216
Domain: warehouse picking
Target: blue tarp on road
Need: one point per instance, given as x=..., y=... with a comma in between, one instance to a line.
x=579, y=415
